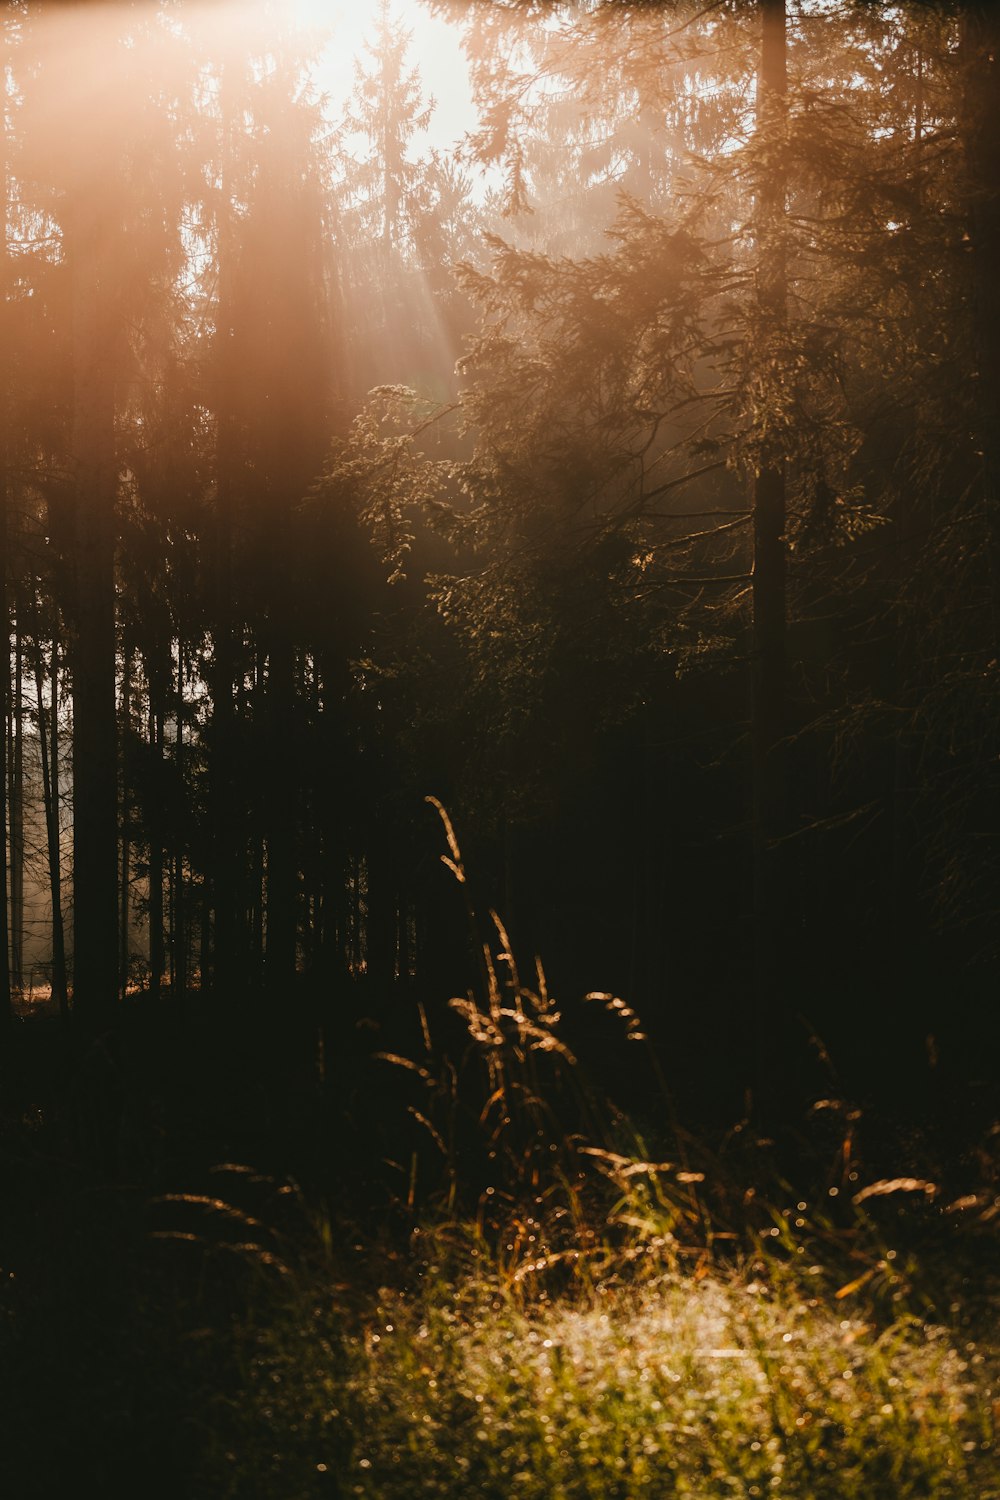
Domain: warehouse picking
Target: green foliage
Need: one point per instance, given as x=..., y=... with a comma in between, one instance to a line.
x=380, y=474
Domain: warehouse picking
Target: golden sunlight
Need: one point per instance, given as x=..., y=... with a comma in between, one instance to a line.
x=342, y=31
x=500, y=749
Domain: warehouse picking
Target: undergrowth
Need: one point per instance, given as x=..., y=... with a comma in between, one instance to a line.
x=707, y=1387
x=555, y=1306
x=459, y=1380
x=572, y=1316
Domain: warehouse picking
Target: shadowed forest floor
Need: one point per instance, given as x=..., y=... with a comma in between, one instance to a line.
x=234, y=1300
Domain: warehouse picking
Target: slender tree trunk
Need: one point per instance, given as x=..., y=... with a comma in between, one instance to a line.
x=179, y=926
x=156, y=951
x=255, y=914
x=333, y=860
x=280, y=819
x=205, y=936
x=382, y=910
x=48, y=739
x=769, y=669
x=226, y=876
x=6, y=1002
x=95, y=717
x=899, y=902
x=16, y=766
x=171, y=941
x=313, y=862
x=6, y=1012
x=980, y=50
x=360, y=953
x=250, y=916
x=126, y=852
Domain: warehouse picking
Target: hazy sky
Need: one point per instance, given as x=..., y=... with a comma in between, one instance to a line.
x=435, y=50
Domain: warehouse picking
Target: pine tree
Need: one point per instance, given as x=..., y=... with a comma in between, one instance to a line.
x=385, y=198
x=769, y=714
x=382, y=186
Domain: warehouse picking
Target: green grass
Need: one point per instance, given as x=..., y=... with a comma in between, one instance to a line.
x=701, y=1388
x=245, y=1346
x=689, y=1385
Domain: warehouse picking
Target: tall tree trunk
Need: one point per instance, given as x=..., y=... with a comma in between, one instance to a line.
x=333, y=885
x=280, y=820
x=172, y=910
x=980, y=49
x=95, y=717
x=6, y=1012
x=381, y=915
x=311, y=835
x=155, y=831
x=48, y=739
x=226, y=876
x=16, y=766
x=126, y=853
x=769, y=670
x=205, y=935
x=178, y=923
x=256, y=910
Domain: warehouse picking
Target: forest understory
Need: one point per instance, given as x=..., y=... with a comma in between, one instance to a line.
x=221, y=1279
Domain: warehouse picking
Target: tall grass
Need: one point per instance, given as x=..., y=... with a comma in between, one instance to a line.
x=578, y=1318
x=557, y=1307
x=460, y=1377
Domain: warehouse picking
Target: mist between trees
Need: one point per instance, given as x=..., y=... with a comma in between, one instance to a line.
x=625, y=478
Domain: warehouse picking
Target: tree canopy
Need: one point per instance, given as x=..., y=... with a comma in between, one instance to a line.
x=623, y=476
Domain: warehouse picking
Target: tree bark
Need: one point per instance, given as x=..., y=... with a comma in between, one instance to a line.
x=227, y=876
x=16, y=767
x=156, y=948
x=178, y=923
x=280, y=815
x=381, y=915
x=126, y=852
x=6, y=1010
x=769, y=647
x=980, y=51
x=95, y=738
x=48, y=738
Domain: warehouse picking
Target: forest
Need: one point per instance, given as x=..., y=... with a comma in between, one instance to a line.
x=500, y=749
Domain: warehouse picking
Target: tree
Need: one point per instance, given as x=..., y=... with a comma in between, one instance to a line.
x=980, y=41
x=726, y=332
x=389, y=200
x=5, y=995
x=272, y=393
x=769, y=670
